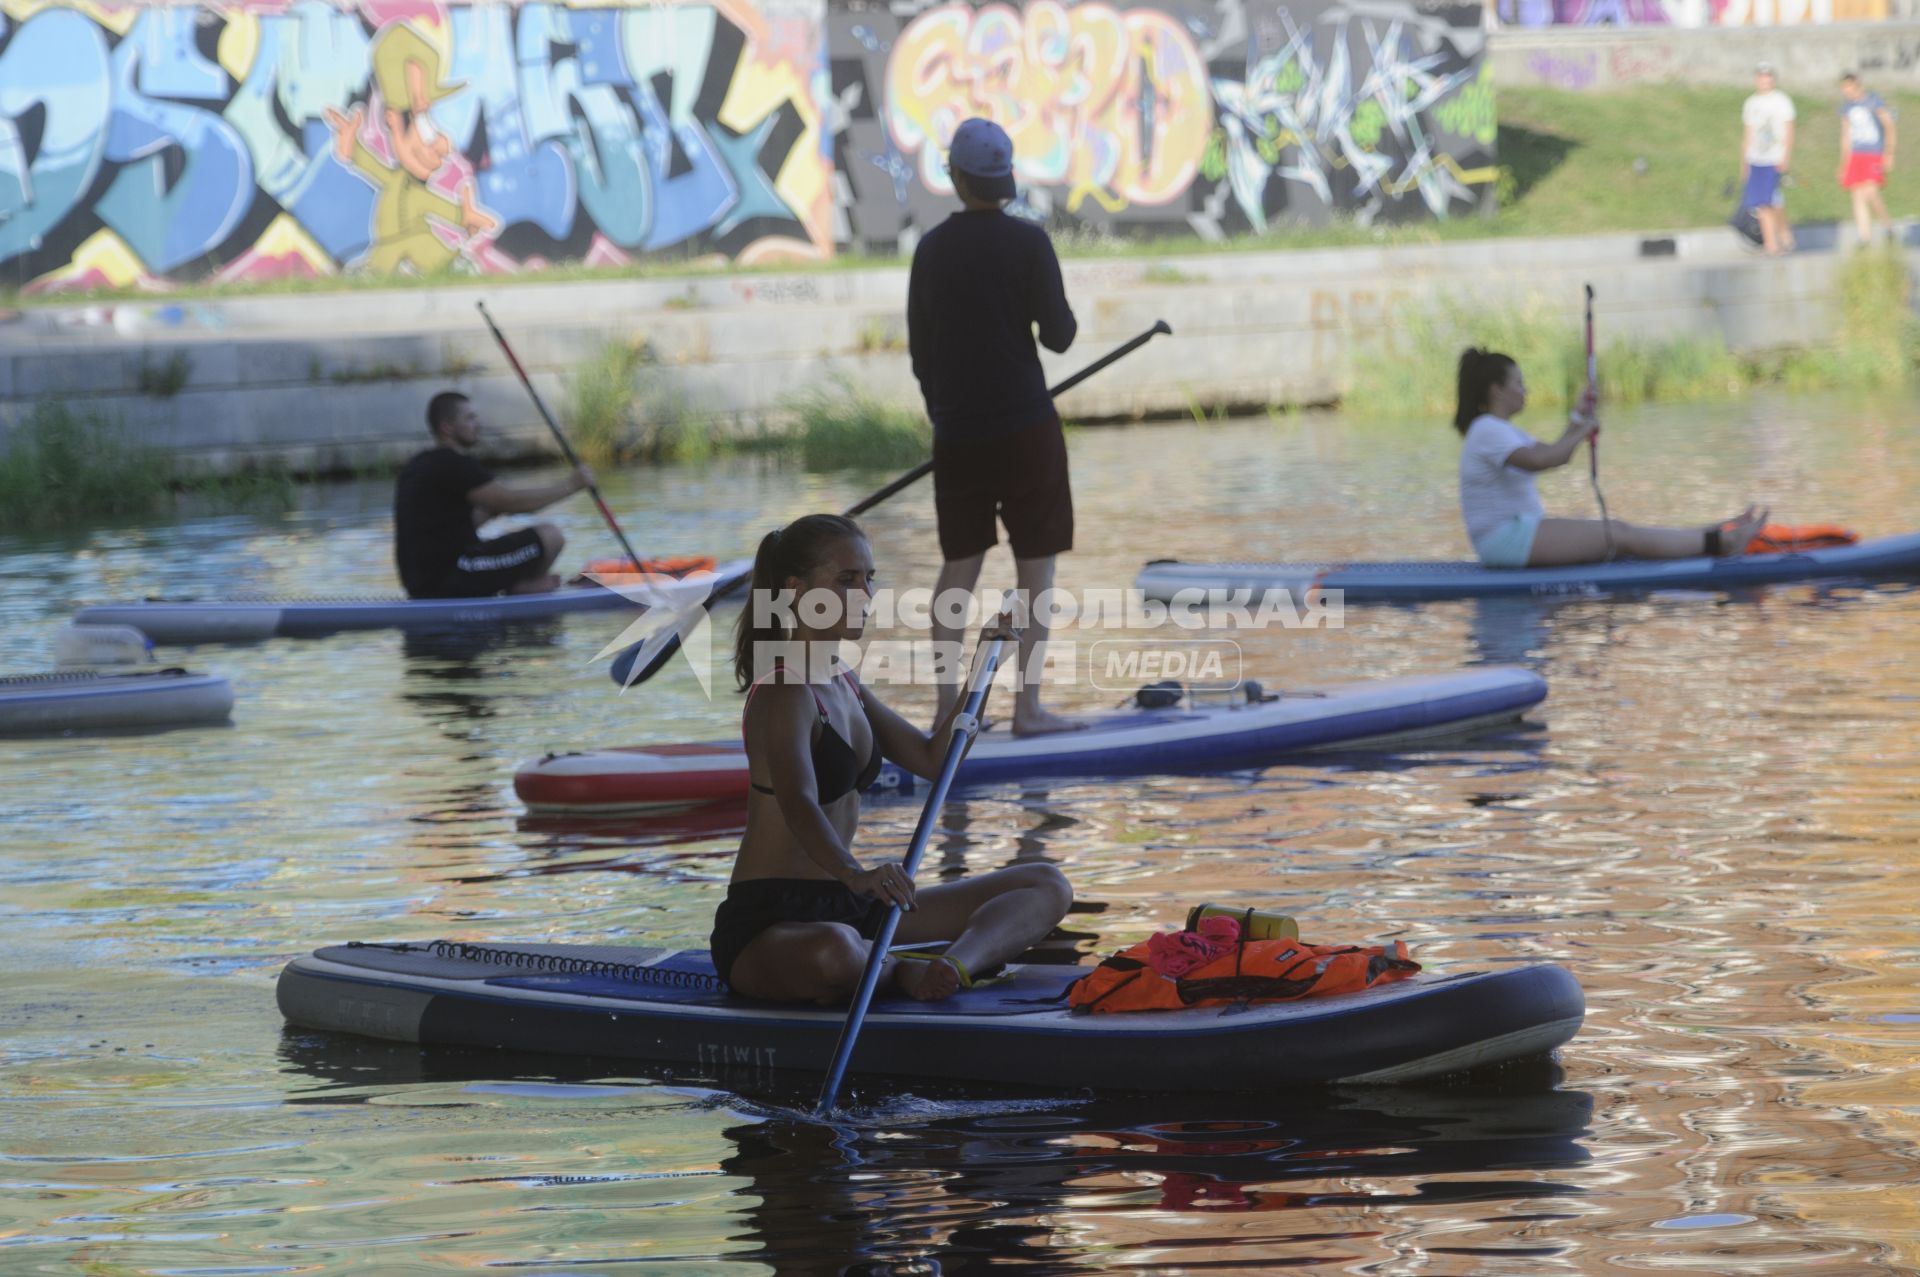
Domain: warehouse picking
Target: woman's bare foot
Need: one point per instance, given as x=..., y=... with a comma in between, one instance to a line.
x=926, y=979
x=1737, y=533
x=1039, y=722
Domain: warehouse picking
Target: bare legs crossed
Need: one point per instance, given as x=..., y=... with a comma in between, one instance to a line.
x=989, y=920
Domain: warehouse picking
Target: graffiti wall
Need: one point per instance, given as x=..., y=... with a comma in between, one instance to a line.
x=1187, y=117
x=142, y=144
x=1690, y=13
x=263, y=138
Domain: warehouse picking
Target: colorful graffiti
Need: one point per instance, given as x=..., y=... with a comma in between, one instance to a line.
x=1689, y=13
x=150, y=144
x=247, y=141
x=1113, y=106
x=1182, y=116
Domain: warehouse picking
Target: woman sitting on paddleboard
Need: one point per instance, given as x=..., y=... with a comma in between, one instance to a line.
x=1501, y=506
x=800, y=909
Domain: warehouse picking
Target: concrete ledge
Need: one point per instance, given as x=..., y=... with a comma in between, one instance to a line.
x=342, y=380
x=1810, y=58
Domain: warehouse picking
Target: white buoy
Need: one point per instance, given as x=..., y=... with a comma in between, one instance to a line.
x=101, y=647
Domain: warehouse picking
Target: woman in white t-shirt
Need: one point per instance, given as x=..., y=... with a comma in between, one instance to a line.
x=1501, y=507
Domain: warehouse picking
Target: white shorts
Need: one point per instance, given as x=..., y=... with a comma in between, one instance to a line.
x=1510, y=544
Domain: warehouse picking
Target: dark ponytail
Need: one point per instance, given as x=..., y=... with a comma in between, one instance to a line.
x=794, y=550
x=1480, y=371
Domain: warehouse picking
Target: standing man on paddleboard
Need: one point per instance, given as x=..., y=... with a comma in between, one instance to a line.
x=981, y=283
x=442, y=498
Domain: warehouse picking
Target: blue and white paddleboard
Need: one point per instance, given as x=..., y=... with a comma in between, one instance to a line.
x=251, y=620
x=1362, y=715
x=1166, y=579
x=93, y=700
x=649, y=1004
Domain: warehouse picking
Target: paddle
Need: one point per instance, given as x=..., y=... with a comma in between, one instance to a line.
x=925, y=468
x=964, y=724
x=651, y=654
x=573, y=458
x=1593, y=440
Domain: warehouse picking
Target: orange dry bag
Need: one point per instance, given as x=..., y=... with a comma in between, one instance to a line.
x=1257, y=971
x=1782, y=538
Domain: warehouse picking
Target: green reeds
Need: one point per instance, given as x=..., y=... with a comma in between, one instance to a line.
x=846, y=427
x=599, y=407
x=60, y=467
x=1876, y=346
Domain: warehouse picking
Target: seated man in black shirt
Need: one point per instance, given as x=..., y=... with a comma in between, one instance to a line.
x=442, y=498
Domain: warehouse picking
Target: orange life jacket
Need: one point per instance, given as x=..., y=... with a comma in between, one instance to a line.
x=677, y=565
x=1781, y=538
x=1258, y=971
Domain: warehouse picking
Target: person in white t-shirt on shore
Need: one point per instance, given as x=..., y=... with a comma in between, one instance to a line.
x=1501, y=506
x=1766, y=149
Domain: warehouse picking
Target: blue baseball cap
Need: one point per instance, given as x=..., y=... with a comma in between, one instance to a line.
x=982, y=150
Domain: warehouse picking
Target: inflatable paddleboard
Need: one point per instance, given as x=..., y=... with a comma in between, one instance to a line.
x=1163, y=579
x=248, y=620
x=615, y=1002
x=1337, y=716
x=92, y=700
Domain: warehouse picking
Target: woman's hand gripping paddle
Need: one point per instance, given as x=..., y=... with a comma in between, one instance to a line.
x=965, y=723
x=649, y=656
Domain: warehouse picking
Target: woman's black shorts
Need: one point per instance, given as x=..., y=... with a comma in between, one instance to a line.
x=758, y=903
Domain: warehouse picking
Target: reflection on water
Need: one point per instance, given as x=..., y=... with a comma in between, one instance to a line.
x=944, y=1181
x=1712, y=820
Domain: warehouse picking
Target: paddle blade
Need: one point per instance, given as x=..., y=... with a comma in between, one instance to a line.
x=641, y=661
x=646, y=658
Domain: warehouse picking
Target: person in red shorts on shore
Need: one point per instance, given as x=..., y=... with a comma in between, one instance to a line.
x=982, y=283
x=1866, y=153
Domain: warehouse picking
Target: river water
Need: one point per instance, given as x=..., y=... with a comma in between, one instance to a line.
x=1712, y=821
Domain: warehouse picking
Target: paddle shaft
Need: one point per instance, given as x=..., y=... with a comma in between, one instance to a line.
x=1593, y=386
x=573, y=458
x=925, y=468
x=1593, y=440
x=883, y=939
x=727, y=587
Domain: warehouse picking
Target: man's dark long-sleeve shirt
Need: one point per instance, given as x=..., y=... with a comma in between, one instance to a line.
x=981, y=281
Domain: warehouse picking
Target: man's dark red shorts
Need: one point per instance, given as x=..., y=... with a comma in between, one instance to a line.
x=1020, y=478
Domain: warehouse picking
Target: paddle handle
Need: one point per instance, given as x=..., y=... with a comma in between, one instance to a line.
x=1593, y=384
x=566, y=448
x=883, y=940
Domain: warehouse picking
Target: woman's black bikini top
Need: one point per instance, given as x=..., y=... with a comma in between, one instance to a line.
x=836, y=773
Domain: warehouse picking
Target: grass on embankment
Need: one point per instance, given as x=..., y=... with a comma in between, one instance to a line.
x=60, y=467
x=1573, y=157
x=1876, y=346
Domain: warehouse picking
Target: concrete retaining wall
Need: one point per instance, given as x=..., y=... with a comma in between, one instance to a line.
x=340, y=380
x=1810, y=59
